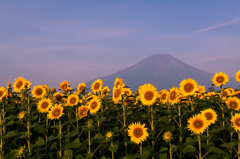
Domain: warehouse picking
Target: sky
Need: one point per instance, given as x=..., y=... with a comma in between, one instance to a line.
x=48, y=42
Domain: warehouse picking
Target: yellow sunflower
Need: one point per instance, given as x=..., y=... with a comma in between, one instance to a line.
x=233, y=103
x=137, y=132
x=72, y=99
x=117, y=94
x=127, y=91
x=82, y=111
x=38, y=91
x=28, y=84
x=53, y=90
x=94, y=105
x=238, y=76
x=230, y=90
x=21, y=152
x=163, y=96
x=148, y=94
x=81, y=87
x=65, y=102
x=188, y=87
x=118, y=82
x=44, y=105
x=210, y=95
x=210, y=114
x=3, y=92
x=19, y=84
x=167, y=136
x=83, y=100
x=56, y=112
x=158, y=99
x=105, y=91
x=219, y=79
x=201, y=89
x=57, y=96
x=97, y=86
x=109, y=135
x=197, y=124
x=225, y=93
x=64, y=85
x=236, y=121
x=21, y=115
x=173, y=96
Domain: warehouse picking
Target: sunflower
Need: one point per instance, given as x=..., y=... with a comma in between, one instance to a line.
x=21, y=152
x=225, y=93
x=137, y=132
x=197, y=124
x=118, y=82
x=28, y=84
x=173, y=96
x=219, y=79
x=126, y=91
x=83, y=100
x=64, y=85
x=57, y=96
x=72, y=99
x=38, y=91
x=3, y=92
x=117, y=94
x=148, y=94
x=19, y=84
x=94, y=105
x=163, y=96
x=82, y=111
x=236, y=121
x=167, y=136
x=233, y=103
x=210, y=114
x=81, y=87
x=65, y=103
x=97, y=86
x=52, y=90
x=238, y=76
x=188, y=86
x=21, y=115
x=201, y=89
x=44, y=105
x=158, y=99
x=230, y=90
x=210, y=95
x=56, y=112
x=105, y=91
x=109, y=135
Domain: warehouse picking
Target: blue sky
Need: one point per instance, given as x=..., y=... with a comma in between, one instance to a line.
x=48, y=42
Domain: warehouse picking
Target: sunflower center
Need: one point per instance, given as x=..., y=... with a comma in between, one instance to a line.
x=126, y=92
x=84, y=112
x=117, y=93
x=94, y=105
x=19, y=84
x=96, y=86
x=138, y=132
x=81, y=88
x=73, y=100
x=209, y=116
x=44, y=105
x=59, y=97
x=148, y=95
x=56, y=112
x=233, y=105
x=64, y=86
x=237, y=122
x=1, y=93
x=164, y=96
x=198, y=124
x=173, y=95
x=188, y=87
x=168, y=136
x=224, y=93
x=220, y=79
x=39, y=91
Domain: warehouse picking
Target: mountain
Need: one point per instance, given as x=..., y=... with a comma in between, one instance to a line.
x=163, y=71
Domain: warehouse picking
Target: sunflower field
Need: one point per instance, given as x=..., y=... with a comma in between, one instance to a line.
x=183, y=122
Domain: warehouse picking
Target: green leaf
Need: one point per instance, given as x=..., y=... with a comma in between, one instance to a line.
x=72, y=133
x=10, y=123
x=53, y=146
x=230, y=144
x=102, y=119
x=34, y=124
x=68, y=154
x=189, y=148
x=89, y=155
x=170, y=128
x=69, y=121
x=174, y=148
x=38, y=156
x=71, y=145
x=146, y=154
x=153, y=132
x=162, y=156
x=98, y=136
x=24, y=134
x=103, y=157
x=129, y=112
x=164, y=119
x=217, y=150
x=80, y=157
x=163, y=149
x=113, y=148
x=190, y=141
x=39, y=142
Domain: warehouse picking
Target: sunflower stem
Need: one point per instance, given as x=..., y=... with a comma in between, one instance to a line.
x=46, y=136
x=199, y=143
x=238, y=144
x=170, y=150
x=231, y=135
x=60, y=138
x=207, y=136
x=1, y=133
x=181, y=131
x=124, y=124
x=141, y=148
x=89, y=142
x=152, y=127
x=77, y=117
x=28, y=129
x=112, y=151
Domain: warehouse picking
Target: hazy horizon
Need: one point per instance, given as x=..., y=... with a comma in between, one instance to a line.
x=48, y=42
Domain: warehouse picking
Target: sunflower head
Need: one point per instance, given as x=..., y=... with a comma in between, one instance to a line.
x=19, y=84
x=81, y=87
x=188, y=87
x=148, y=94
x=236, y=121
x=238, y=76
x=163, y=96
x=82, y=111
x=118, y=82
x=21, y=152
x=72, y=99
x=94, y=105
x=53, y=90
x=105, y=91
x=198, y=123
x=219, y=79
x=64, y=85
x=109, y=135
x=173, y=96
x=44, y=105
x=137, y=132
x=21, y=115
x=38, y=91
x=56, y=112
x=57, y=96
x=167, y=136
x=3, y=92
x=210, y=115
x=233, y=103
x=117, y=94
x=97, y=86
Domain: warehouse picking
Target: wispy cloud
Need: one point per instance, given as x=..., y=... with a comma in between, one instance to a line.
x=219, y=25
